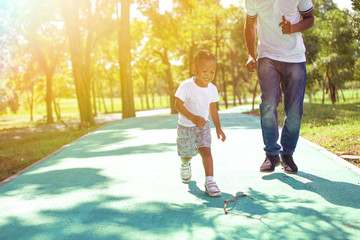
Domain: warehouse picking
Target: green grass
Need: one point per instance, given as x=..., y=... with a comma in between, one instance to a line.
x=69, y=111
x=18, y=154
x=335, y=127
x=69, y=106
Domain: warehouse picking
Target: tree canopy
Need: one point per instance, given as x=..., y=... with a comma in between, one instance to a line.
x=94, y=49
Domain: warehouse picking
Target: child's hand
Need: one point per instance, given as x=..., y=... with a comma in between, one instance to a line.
x=220, y=134
x=199, y=121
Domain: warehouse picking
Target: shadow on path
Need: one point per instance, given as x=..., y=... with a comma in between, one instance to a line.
x=339, y=193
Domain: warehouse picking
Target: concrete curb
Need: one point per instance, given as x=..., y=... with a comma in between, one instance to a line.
x=333, y=156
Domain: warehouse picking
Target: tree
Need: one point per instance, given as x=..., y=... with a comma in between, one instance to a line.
x=164, y=31
x=336, y=59
x=356, y=18
x=80, y=58
x=128, y=108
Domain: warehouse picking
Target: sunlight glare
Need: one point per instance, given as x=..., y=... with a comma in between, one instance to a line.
x=165, y=6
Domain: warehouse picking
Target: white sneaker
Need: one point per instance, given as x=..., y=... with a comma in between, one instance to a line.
x=212, y=189
x=185, y=173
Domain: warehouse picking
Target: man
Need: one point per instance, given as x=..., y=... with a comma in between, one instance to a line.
x=280, y=66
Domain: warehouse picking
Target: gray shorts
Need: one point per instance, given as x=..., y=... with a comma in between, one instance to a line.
x=191, y=138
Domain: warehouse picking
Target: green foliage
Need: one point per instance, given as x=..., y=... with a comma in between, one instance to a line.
x=331, y=49
x=33, y=39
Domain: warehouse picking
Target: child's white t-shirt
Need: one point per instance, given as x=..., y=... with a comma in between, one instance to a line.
x=272, y=42
x=196, y=100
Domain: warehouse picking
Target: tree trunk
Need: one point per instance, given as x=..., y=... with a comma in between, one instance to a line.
x=169, y=79
x=191, y=57
x=153, y=99
x=323, y=92
x=103, y=98
x=224, y=85
x=128, y=108
x=30, y=95
x=82, y=85
x=49, y=69
x=235, y=78
x=93, y=83
x=57, y=108
x=145, y=77
x=332, y=87
x=112, y=95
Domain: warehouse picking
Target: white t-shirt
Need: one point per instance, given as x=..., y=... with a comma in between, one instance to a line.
x=196, y=100
x=272, y=42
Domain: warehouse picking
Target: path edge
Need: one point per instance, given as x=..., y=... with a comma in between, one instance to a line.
x=324, y=151
x=9, y=179
x=332, y=156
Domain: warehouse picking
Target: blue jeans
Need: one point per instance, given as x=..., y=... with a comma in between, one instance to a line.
x=275, y=76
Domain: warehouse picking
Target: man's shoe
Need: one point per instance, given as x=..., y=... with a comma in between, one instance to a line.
x=185, y=173
x=212, y=189
x=271, y=161
x=288, y=163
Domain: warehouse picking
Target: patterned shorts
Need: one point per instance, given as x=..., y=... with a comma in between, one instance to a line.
x=191, y=138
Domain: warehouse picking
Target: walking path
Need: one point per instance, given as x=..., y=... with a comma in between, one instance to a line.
x=122, y=182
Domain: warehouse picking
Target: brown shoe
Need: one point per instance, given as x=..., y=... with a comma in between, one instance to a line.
x=271, y=161
x=288, y=163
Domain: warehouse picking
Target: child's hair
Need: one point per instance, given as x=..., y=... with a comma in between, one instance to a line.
x=203, y=55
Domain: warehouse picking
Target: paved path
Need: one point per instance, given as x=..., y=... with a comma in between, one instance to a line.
x=122, y=182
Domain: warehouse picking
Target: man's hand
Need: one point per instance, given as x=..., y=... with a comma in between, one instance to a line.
x=286, y=26
x=220, y=134
x=251, y=64
x=199, y=121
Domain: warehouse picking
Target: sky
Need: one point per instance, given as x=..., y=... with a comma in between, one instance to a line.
x=167, y=4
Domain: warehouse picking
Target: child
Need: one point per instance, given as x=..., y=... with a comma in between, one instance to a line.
x=194, y=100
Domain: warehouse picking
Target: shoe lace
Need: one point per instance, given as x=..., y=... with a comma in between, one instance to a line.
x=287, y=159
x=185, y=170
x=212, y=186
x=271, y=159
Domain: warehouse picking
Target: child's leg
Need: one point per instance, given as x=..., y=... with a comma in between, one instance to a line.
x=186, y=149
x=205, y=153
x=185, y=161
x=211, y=187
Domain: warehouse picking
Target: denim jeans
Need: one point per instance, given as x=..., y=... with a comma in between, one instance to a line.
x=275, y=76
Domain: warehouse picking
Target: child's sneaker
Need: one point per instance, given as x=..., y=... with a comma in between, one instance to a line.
x=185, y=173
x=212, y=189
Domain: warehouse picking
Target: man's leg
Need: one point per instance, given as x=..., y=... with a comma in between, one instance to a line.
x=293, y=83
x=269, y=79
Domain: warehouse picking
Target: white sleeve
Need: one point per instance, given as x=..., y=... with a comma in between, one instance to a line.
x=181, y=92
x=215, y=97
x=305, y=6
x=250, y=8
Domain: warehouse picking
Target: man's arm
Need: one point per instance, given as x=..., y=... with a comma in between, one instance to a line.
x=197, y=120
x=250, y=38
x=306, y=23
x=215, y=118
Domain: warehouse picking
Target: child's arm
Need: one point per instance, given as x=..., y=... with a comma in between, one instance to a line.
x=215, y=118
x=197, y=120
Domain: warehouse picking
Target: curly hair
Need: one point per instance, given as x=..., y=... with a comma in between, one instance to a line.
x=203, y=55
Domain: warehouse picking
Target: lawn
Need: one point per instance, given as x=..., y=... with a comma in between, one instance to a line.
x=335, y=127
x=17, y=154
